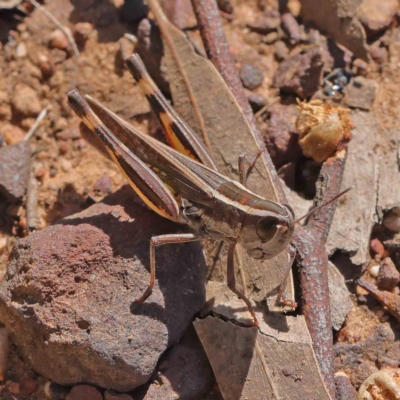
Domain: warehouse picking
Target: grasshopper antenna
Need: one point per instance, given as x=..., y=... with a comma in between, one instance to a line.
x=312, y=211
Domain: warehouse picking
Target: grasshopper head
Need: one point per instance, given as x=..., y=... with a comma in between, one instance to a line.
x=267, y=229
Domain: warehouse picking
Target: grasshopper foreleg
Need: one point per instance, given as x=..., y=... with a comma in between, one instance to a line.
x=156, y=241
x=231, y=280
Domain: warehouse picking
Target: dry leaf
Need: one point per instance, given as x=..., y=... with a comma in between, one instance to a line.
x=355, y=214
x=261, y=367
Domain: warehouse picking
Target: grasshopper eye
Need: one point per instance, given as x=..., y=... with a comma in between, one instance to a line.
x=266, y=228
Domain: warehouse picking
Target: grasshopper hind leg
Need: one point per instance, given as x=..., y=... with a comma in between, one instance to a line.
x=161, y=240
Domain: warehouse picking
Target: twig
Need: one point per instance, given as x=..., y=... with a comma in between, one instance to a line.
x=309, y=240
x=67, y=34
x=218, y=52
x=313, y=264
x=36, y=124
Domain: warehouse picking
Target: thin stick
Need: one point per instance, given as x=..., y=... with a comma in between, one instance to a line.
x=218, y=52
x=36, y=124
x=68, y=35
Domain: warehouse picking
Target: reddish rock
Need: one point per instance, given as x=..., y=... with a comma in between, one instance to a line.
x=12, y=134
x=111, y=395
x=82, y=31
x=185, y=372
x=300, y=74
x=344, y=389
x=280, y=134
x=28, y=386
x=361, y=373
x=59, y=40
x=25, y=101
x=68, y=296
x=15, y=163
x=251, y=76
x=377, y=15
x=360, y=93
x=267, y=23
x=388, y=276
x=84, y=392
x=103, y=185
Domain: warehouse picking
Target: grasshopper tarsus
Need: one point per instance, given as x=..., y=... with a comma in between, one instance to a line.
x=285, y=301
x=144, y=296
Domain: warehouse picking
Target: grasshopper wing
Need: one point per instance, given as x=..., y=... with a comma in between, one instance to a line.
x=143, y=180
x=178, y=134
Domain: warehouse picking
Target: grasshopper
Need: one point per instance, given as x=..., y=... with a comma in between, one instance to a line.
x=182, y=183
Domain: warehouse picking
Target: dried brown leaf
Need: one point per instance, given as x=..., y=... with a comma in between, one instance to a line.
x=356, y=211
x=261, y=367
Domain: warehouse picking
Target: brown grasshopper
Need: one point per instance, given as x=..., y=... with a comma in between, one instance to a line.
x=183, y=185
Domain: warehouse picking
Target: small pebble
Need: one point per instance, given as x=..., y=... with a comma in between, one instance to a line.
x=251, y=76
x=281, y=50
x=14, y=388
x=58, y=40
x=377, y=247
x=82, y=31
x=84, y=392
x=374, y=271
x=28, y=386
x=391, y=220
x=66, y=165
x=272, y=37
x=225, y=6
x=25, y=100
x=46, y=66
x=291, y=26
x=60, y=124
x=267, y=23
x=103, y=185
x=379, y=54
x=12, y=134
x=72, y=133
x=21, y=50
x=53, y=170
x=388, y=276
x=257, y=101
x=63, y=147
x=54, y=391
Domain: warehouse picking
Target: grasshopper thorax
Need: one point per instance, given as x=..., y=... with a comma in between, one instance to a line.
x=266, y=233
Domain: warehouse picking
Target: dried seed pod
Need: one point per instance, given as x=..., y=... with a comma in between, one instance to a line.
x=381, y=385
x=322, y=128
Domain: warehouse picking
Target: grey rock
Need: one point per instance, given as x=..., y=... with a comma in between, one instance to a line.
x=15, y=163
x=360, y=93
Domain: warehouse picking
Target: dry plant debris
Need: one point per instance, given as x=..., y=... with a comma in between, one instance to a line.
x=382, y=385
x=322, y=129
